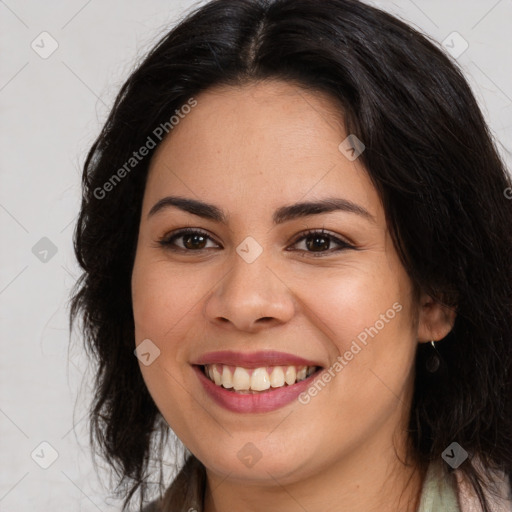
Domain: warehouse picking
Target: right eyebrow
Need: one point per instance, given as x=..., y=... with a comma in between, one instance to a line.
x=199, y=208
x=282, y=214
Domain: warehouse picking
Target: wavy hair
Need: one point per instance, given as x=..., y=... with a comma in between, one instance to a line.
x=430, y=155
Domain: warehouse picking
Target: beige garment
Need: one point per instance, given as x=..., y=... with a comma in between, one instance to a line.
x=469, y=501
x=442, y=492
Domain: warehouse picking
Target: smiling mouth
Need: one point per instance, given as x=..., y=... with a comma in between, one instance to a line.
x=256, y=380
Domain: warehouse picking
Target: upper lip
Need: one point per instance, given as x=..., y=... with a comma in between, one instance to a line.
x=253, y=359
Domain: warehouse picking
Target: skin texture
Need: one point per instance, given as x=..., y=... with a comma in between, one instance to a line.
x=250, y=150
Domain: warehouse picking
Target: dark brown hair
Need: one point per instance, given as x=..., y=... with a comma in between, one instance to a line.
x=429, y=154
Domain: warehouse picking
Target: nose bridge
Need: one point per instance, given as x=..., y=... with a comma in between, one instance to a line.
x=250, y=291
x=250, y=274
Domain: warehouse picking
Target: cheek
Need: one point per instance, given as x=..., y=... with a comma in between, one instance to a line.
x=163, y=297
x=163, y=301
x=351, y=301
x=366, y=316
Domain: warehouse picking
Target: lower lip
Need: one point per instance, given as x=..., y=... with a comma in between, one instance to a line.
x=264, y=401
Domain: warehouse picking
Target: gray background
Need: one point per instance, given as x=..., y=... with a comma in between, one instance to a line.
x=51, y=110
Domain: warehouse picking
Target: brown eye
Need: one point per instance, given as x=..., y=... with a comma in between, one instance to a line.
x=194, y=241
x=190, y=240
x=317, y=243
x=320, y=242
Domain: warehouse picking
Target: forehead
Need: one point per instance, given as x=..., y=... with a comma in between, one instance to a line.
x=261, y=143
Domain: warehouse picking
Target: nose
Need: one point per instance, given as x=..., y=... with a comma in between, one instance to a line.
x=251, y=297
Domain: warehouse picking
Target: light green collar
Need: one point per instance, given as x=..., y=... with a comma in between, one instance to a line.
x=439, y=492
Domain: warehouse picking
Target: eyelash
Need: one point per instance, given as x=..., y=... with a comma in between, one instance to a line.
x=168, y=241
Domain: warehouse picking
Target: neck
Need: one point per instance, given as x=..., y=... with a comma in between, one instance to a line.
x=367, y=482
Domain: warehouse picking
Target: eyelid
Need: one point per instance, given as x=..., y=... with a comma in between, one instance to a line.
x=165, y=241
x=336, y=238
x=343, y=244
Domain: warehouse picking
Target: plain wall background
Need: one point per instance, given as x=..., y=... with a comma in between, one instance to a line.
x=51, y=111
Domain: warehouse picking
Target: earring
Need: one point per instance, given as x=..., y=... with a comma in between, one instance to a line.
x=434, y=360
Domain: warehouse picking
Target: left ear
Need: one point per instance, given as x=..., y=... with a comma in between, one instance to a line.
x=435, y=320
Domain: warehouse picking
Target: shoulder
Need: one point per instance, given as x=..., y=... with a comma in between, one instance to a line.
x=186, y=491
x=152, y=507
x=498, y=492
x=451, y=491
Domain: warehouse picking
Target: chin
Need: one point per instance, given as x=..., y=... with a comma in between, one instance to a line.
x=249, y=463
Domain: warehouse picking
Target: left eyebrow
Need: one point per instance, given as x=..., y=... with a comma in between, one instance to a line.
x=330, y=204
x=281, y=215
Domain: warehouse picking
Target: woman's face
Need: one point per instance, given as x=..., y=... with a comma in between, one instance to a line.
x=253, y=293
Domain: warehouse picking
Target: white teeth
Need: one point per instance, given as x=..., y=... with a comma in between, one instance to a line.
x=277, y=377
x=227, y=379
x=257, y=379
x=260, y=379
x=290, y=376
x=217, y=377
x=241, y=378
